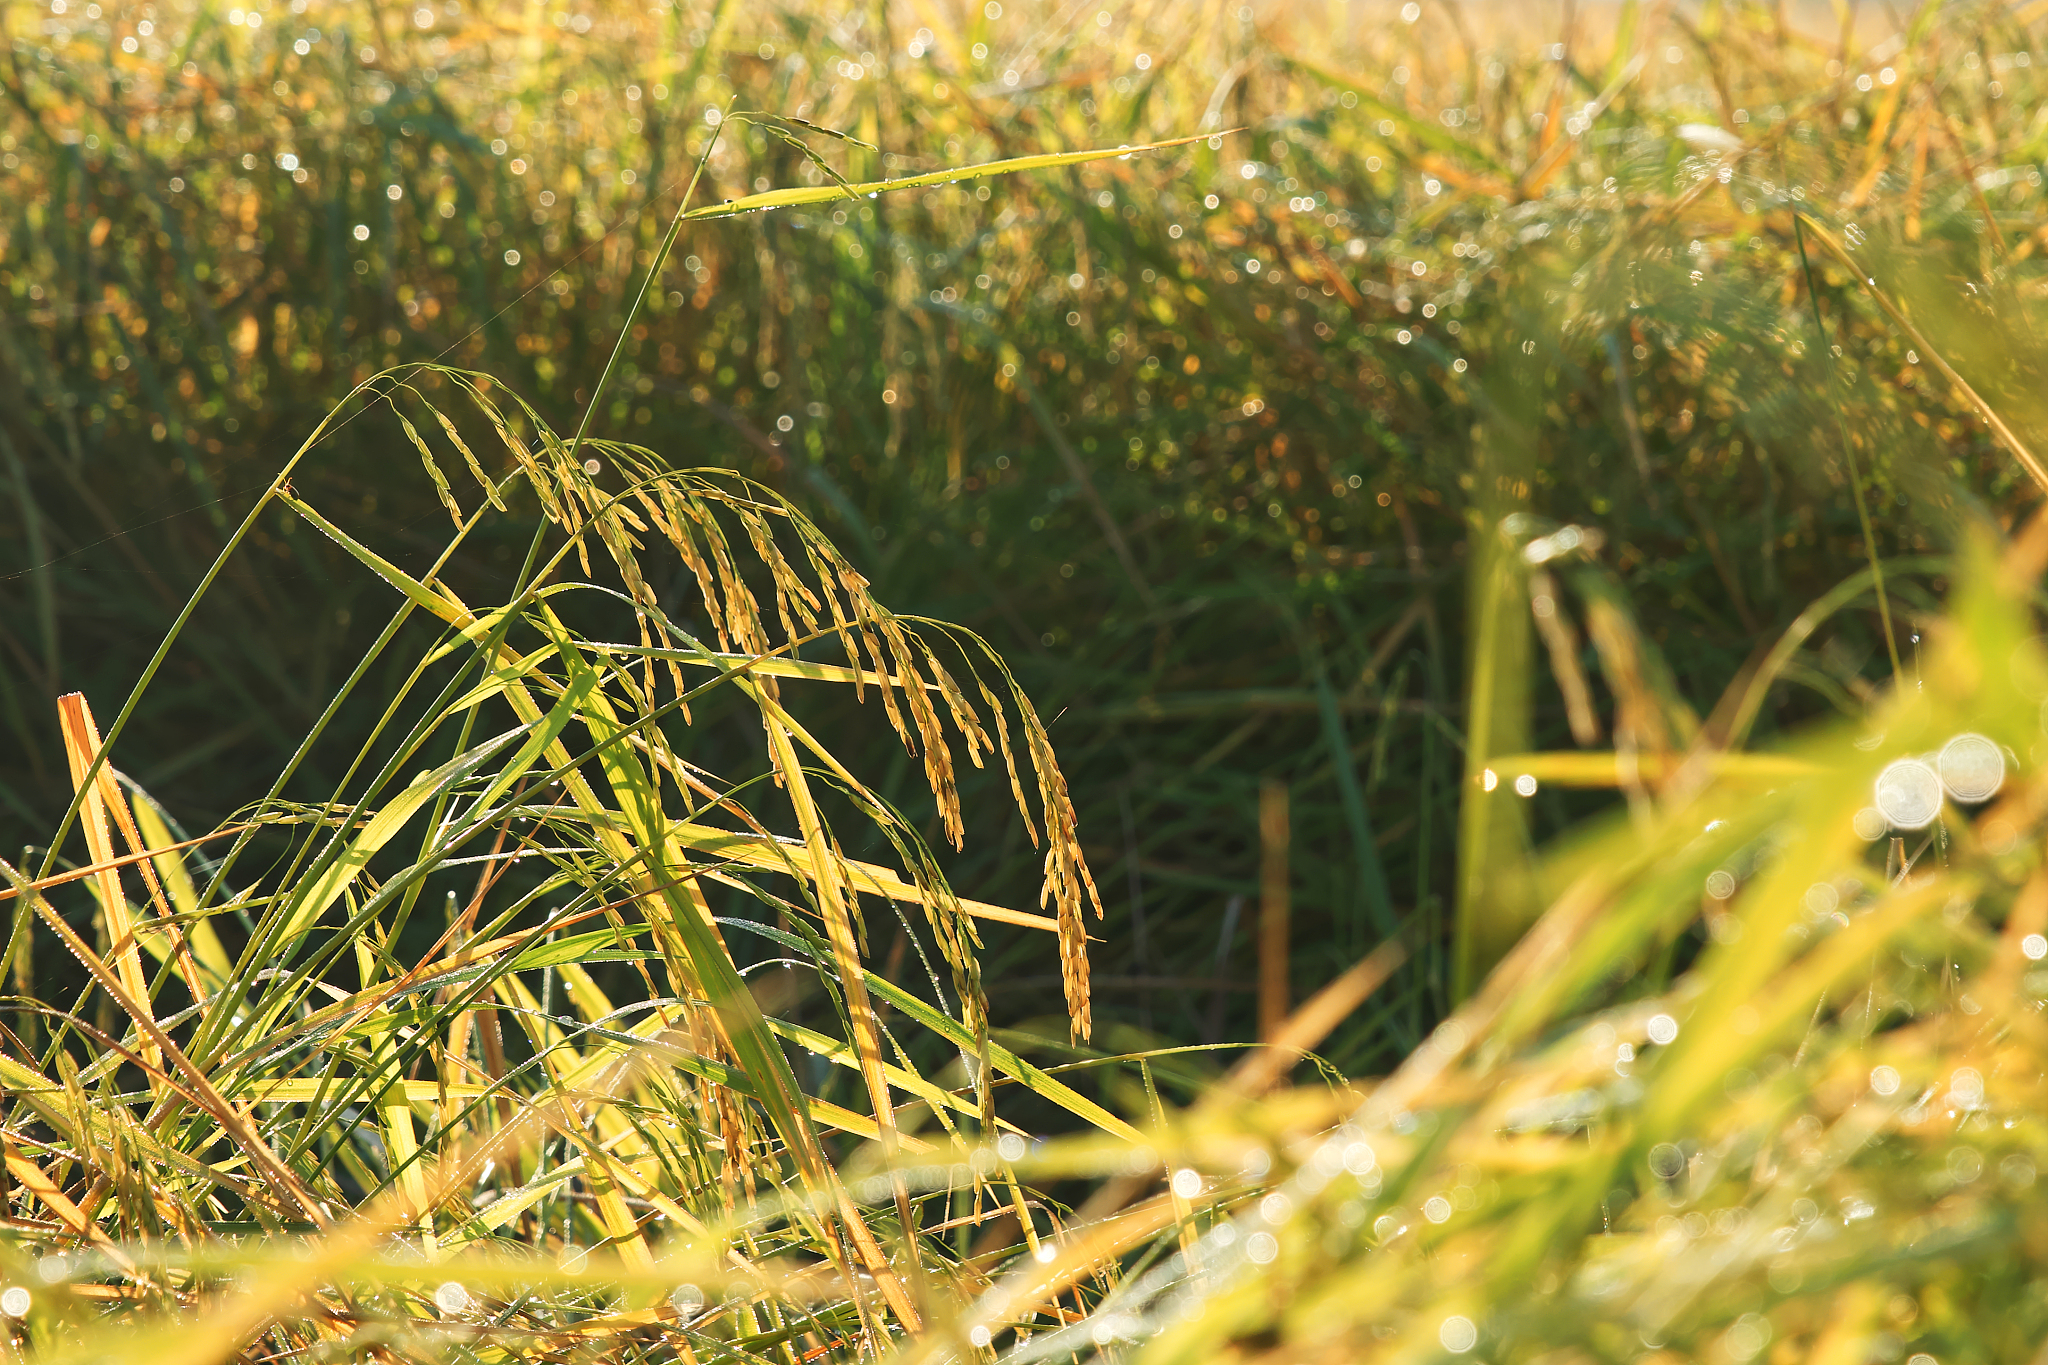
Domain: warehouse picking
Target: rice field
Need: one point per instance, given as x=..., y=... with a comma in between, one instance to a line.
x=1179, y=681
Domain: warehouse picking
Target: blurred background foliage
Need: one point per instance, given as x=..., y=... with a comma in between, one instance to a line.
x=1207, y=442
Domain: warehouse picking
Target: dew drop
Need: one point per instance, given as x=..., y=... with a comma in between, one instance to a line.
x=1972, y=767
x=1909, y=794
x=1457, y=1335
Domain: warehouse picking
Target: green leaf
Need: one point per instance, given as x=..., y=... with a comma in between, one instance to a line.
x=819, y=194
x=300, y=912
x=1004, y=1060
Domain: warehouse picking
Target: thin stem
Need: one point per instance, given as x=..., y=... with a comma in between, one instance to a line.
x=1884, y=606
x=654, y=266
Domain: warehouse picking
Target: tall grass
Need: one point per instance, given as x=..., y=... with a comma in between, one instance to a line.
x=280, y=1086
x=260, y=1034
x=1674, y=366
x=1189, y=659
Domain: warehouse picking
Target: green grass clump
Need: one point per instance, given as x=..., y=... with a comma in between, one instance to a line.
x=1505, y=502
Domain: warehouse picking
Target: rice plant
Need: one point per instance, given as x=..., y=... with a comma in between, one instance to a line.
x=327, y=1079
x=307, y=1081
